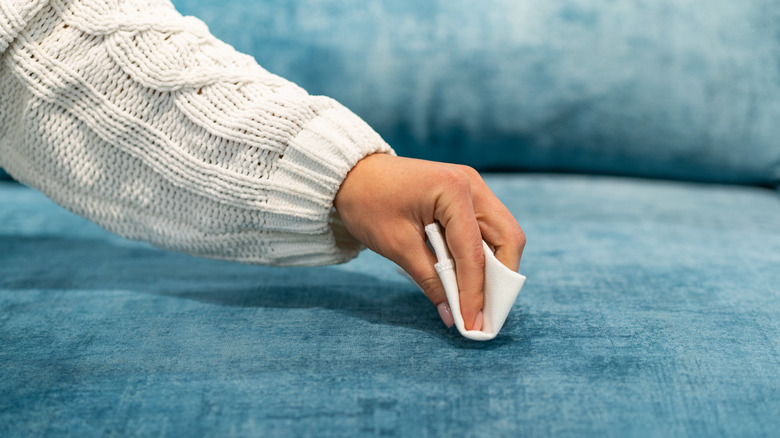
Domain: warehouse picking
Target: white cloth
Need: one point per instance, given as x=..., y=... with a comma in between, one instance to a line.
x=140, y=120
x=502, y=285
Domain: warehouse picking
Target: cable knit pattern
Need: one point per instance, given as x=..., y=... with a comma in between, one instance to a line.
x=139, y=119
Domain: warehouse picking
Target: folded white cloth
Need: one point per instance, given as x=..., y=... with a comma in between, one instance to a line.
x=502, y=285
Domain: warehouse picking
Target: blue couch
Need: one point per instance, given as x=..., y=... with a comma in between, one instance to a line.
x=641, y=156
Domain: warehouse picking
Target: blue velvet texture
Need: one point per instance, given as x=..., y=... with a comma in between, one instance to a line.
x=668, y=88
x=651, y=309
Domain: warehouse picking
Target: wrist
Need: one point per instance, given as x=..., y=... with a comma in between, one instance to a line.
x=360, y=180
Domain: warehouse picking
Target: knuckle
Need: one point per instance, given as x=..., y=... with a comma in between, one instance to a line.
x=430, y=286
x=518, y=237
x=477, y=257
x=469, y=171
x=454, y=179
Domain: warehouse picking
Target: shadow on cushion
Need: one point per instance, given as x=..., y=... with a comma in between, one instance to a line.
x=651, y=309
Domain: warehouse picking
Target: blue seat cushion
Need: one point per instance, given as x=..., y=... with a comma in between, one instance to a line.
x=668, y=89
x=651, y=309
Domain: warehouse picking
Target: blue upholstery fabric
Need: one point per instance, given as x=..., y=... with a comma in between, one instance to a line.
x=651, y=309
x=669, y=88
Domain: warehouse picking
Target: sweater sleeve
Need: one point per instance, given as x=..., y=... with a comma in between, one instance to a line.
x=140, y=120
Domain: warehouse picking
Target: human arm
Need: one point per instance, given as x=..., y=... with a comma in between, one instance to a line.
x=140, y=120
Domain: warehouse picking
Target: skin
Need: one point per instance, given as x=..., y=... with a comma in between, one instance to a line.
x=386, y=202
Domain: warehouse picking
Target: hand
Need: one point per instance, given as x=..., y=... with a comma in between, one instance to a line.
x=386, y=202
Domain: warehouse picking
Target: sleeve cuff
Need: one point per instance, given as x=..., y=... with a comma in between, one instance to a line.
x=313, y=166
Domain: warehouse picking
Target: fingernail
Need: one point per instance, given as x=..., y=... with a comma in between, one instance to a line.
x=478, y=321
x=446, y=314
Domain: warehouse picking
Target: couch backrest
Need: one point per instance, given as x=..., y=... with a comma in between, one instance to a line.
x=666, y=88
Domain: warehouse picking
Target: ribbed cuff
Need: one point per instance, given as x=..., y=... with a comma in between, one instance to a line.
x=315, y=164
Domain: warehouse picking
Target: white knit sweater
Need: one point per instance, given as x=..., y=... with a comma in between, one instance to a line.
x=137, y=118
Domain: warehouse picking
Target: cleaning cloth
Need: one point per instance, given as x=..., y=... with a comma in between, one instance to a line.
x=502, y=285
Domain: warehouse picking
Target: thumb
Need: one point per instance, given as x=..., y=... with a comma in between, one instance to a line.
x=418, y=261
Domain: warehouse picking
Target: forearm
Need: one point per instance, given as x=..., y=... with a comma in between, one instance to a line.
x=149, y=126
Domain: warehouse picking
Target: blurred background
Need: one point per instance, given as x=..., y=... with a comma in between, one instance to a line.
x=674, y=89
x=671, y=89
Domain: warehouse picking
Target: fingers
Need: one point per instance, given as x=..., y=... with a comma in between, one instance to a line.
x=510, y=256
x=418, y=261
x=497, y=225
x=470, y=212
x=455, y=212
x=506, y=237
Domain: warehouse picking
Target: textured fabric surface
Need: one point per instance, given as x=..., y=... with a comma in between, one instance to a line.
x=139, y=119
x=651, y=309
x=668, y=88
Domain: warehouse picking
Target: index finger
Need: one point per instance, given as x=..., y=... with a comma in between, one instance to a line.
x=498, y=226
x=464, y=239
